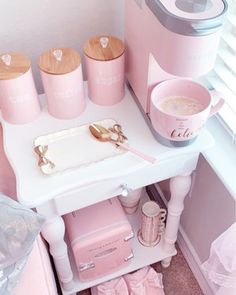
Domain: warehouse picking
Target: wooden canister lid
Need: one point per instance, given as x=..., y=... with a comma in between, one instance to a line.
x=59, y=61
x=13, y=65
x=104, y=48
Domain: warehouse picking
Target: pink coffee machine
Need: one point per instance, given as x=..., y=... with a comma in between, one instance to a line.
x=167, y=39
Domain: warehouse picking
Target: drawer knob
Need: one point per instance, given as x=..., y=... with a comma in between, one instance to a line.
x=125, y=190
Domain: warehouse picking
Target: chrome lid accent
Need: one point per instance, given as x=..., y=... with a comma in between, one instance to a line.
x=187, y=26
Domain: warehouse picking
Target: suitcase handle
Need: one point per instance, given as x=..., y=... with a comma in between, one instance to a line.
x=106, y=253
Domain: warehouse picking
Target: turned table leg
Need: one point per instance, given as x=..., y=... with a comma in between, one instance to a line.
x=179, y=188
x=53, y=232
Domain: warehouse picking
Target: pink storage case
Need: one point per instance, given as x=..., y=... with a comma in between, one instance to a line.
x=100, y=238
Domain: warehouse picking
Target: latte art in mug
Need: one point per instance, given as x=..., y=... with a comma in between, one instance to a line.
x=180, y=105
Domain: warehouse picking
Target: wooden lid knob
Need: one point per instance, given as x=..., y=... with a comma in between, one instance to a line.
x=13, y=65
x=59, y=61
x=104, y=48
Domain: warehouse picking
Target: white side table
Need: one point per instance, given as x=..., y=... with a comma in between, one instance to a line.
x=58, y=194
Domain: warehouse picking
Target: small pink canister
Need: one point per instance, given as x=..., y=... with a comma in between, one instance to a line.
x=61, y=73
x=18, y=96
x=105, y=65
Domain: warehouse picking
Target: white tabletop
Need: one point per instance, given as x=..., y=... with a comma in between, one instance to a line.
x=34, y=188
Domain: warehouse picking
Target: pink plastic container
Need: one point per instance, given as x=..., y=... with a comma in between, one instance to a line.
x=181, y=128
x=61, y=73
x=100, y=245
x=105, y=66
x=18, y=96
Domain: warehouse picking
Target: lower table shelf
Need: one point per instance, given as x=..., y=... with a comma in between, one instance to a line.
x=142, y=256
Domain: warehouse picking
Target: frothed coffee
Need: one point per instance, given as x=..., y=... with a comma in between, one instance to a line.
x=180, y=105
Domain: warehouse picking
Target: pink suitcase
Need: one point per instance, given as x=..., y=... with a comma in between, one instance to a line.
x=100, y=238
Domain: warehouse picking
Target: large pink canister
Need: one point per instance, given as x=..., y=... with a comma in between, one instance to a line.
x=105, y=66
x=18, y=96
x=61, y=73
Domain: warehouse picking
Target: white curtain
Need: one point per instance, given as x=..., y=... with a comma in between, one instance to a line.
x=220, y=268
x=223, y=76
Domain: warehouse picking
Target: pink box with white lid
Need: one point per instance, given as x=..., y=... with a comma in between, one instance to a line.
x=100, y=238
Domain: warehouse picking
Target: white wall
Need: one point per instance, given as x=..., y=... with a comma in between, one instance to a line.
x=33, y=26
x=208, y=212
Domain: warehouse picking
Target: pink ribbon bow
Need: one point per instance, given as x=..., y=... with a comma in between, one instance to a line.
x=150, y=284
x=114, y=287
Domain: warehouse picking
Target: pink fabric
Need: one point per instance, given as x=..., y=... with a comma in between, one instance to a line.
x=145, y=281
x=7, y=176
x=37, y=277
x=112, y=287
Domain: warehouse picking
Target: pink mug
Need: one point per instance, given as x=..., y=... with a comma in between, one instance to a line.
x=152, y=223
x=180, y=108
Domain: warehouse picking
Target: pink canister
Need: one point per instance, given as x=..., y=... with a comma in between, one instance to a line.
x=18, y=96
x=105, y=64
x=61, y=73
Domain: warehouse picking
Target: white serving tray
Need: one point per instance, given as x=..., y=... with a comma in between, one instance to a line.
x=75, y=147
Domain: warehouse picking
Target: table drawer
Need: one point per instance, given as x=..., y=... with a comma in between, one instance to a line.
x=106, y=188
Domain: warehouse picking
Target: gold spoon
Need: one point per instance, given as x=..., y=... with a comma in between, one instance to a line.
x=104, y=135
x=100, y=132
